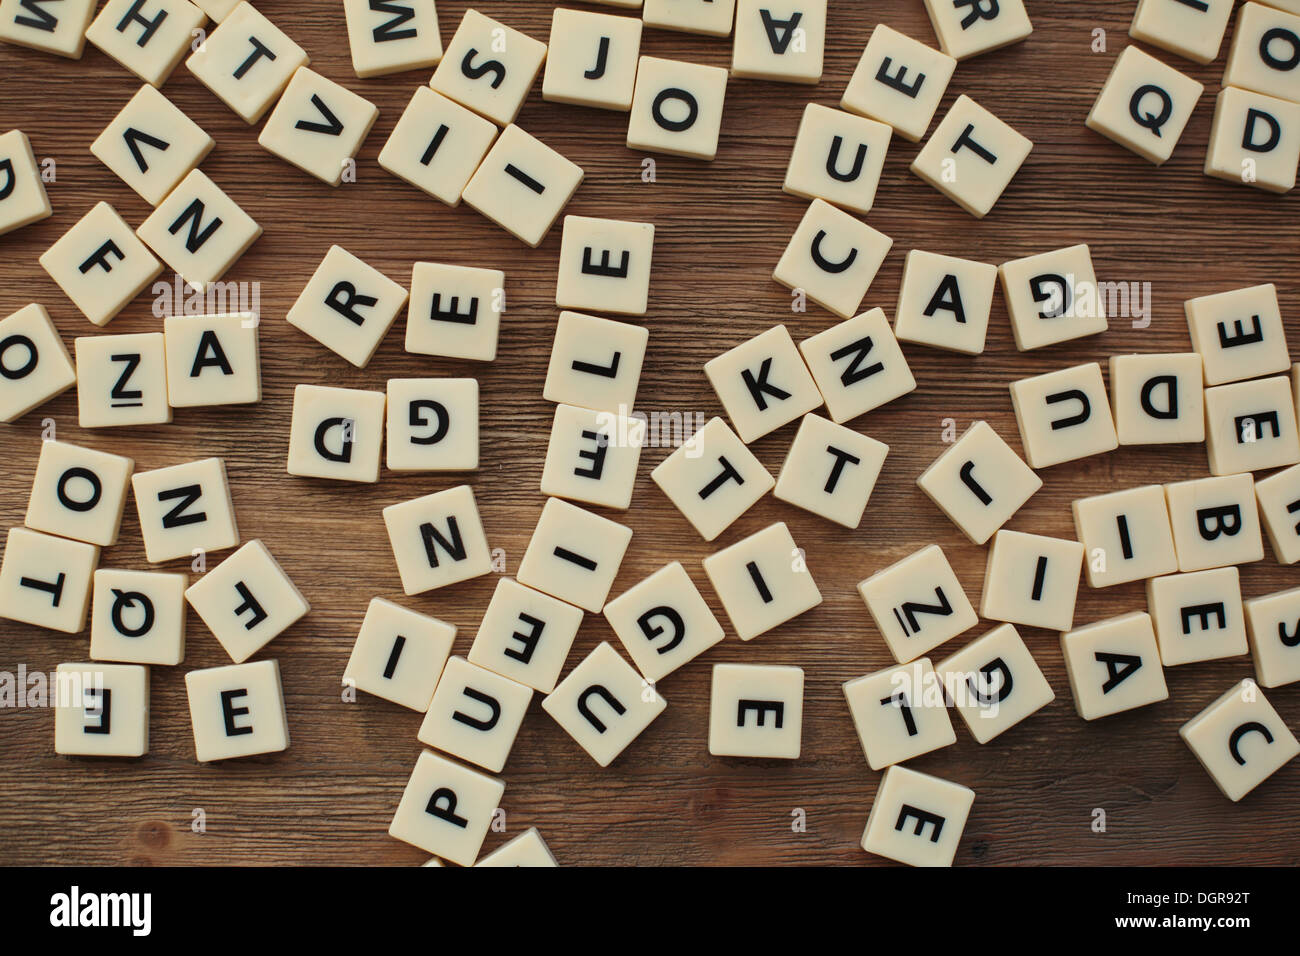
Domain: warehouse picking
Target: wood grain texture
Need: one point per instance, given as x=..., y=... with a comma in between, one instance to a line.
x=721, y=228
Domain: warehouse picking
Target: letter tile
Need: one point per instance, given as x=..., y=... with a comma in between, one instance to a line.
x=762, y=581
x=1254, y=140
x=783, y=40
x=945, y=302
x=525, y=635
x=489, y=67
x=475, y=714
x=756, y=710
x=212, y=359
x=455, y=311
x=592, y=457
x=968, y=28
x=763, y=383
x=1215, y=522
x=46, y=580
x=994, y=683
x=432, y=424
x=247, y=600
x=522, y=185
x=712, y=478
x=1240, y=740
x=437, y=539
x=1192, y=30
x=185, y=510
x=399, y=654
x=979, y=482
x=34, y=363
x=1198, y=616
x=121, y=380
x=217, y=10
x=917, y=603
x=605, y=265
x=1031, y=579
x=437, y=145
x=1265, y=54
x=1144, y=105
x=151, y=145
x=592, y=60
x=710, y=17
x=23, y=199
x=899, y=81
x=1273, y=628
x=388, y=37
x=79, y=493
x=1114, y=665
x=318, y=126
x=574, y=555
x=199, y=231
x=247, y=62
x=100, y=264
x=1063, y=415
x=595, y=363
x=972, y=157
x=1125, y=535
x=831, y=470
x=1157, y=399
x=336, y=433
x=604, y=704
x=676, y=106
x=527, y=849
x=899, y=713
x=1251, y=426
x=917, y=819
x=148, y=37
x=138, y=617
x=837, y=157
x=237, y=711
x=833, y=258
x=446, y=808
x=59, y=29
x=663, y=622
x=1052, y=297
x=1278, y=496
x=1239, y=334
x=101, y=710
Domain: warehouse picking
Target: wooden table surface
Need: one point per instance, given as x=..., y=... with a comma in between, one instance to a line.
x=721, y=227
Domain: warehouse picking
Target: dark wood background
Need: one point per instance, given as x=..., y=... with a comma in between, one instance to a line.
x=721, y=227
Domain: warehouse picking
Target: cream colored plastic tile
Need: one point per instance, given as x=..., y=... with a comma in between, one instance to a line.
x=832, y=258
x=218, y=10
x=592, y=60
x=22, y=193
x=1239, y=334
x=663, y=622
x=199, y=231
x=432, y=424
x=455, y=311
x=247, y=62
x=185, y=510
x=979, y=482
x=592, y=457
x=1125, y=535
x=1052, y=297
x=968, y=28
x=713, y=479
x=121, y=380
x=945, y=302
x=247, y=600
x=917, y=819
x=762, y=581
x=784, y=40
x=437, y=539
x=831, y=470
x=677, y=106
x=318, y=126
x=1265, y=54
x=523, y=185
x=46, y=580
x=710, y=17
x=1273, y=627
x=595, y=363
x=756, y=710
x=971, y=157
x=1063, y=415
x=1251, y=426
x=212, y=360
x=489, y=67
x=837, y=157
x=148, y=37
x=1240, y=740
x=1198, y=616
x=917, y=603
x=1192, y=30
x=1031, y=579
x=437, y=145
x=1158, y=399
x=138, y=617
x=574, y=555
x=237, y=711
x=1144, y=105
x=1215, y=522
x=100, y=264
x=475, y=714
x=763, y=383
x=59, y=29
x=994, y=683
x=399, y=654
x=525, y=635
x=102, y=710
x=604, y=704
x=605, y=265
x=899, y=713
x=446, y=808
x=1278, y=496
x=1114, y=666
x=34, y=363
x=1254, y=140
x=79, y=493
x=336, y=433
x=391, y=37
x=527, y=849
x=899, y=81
